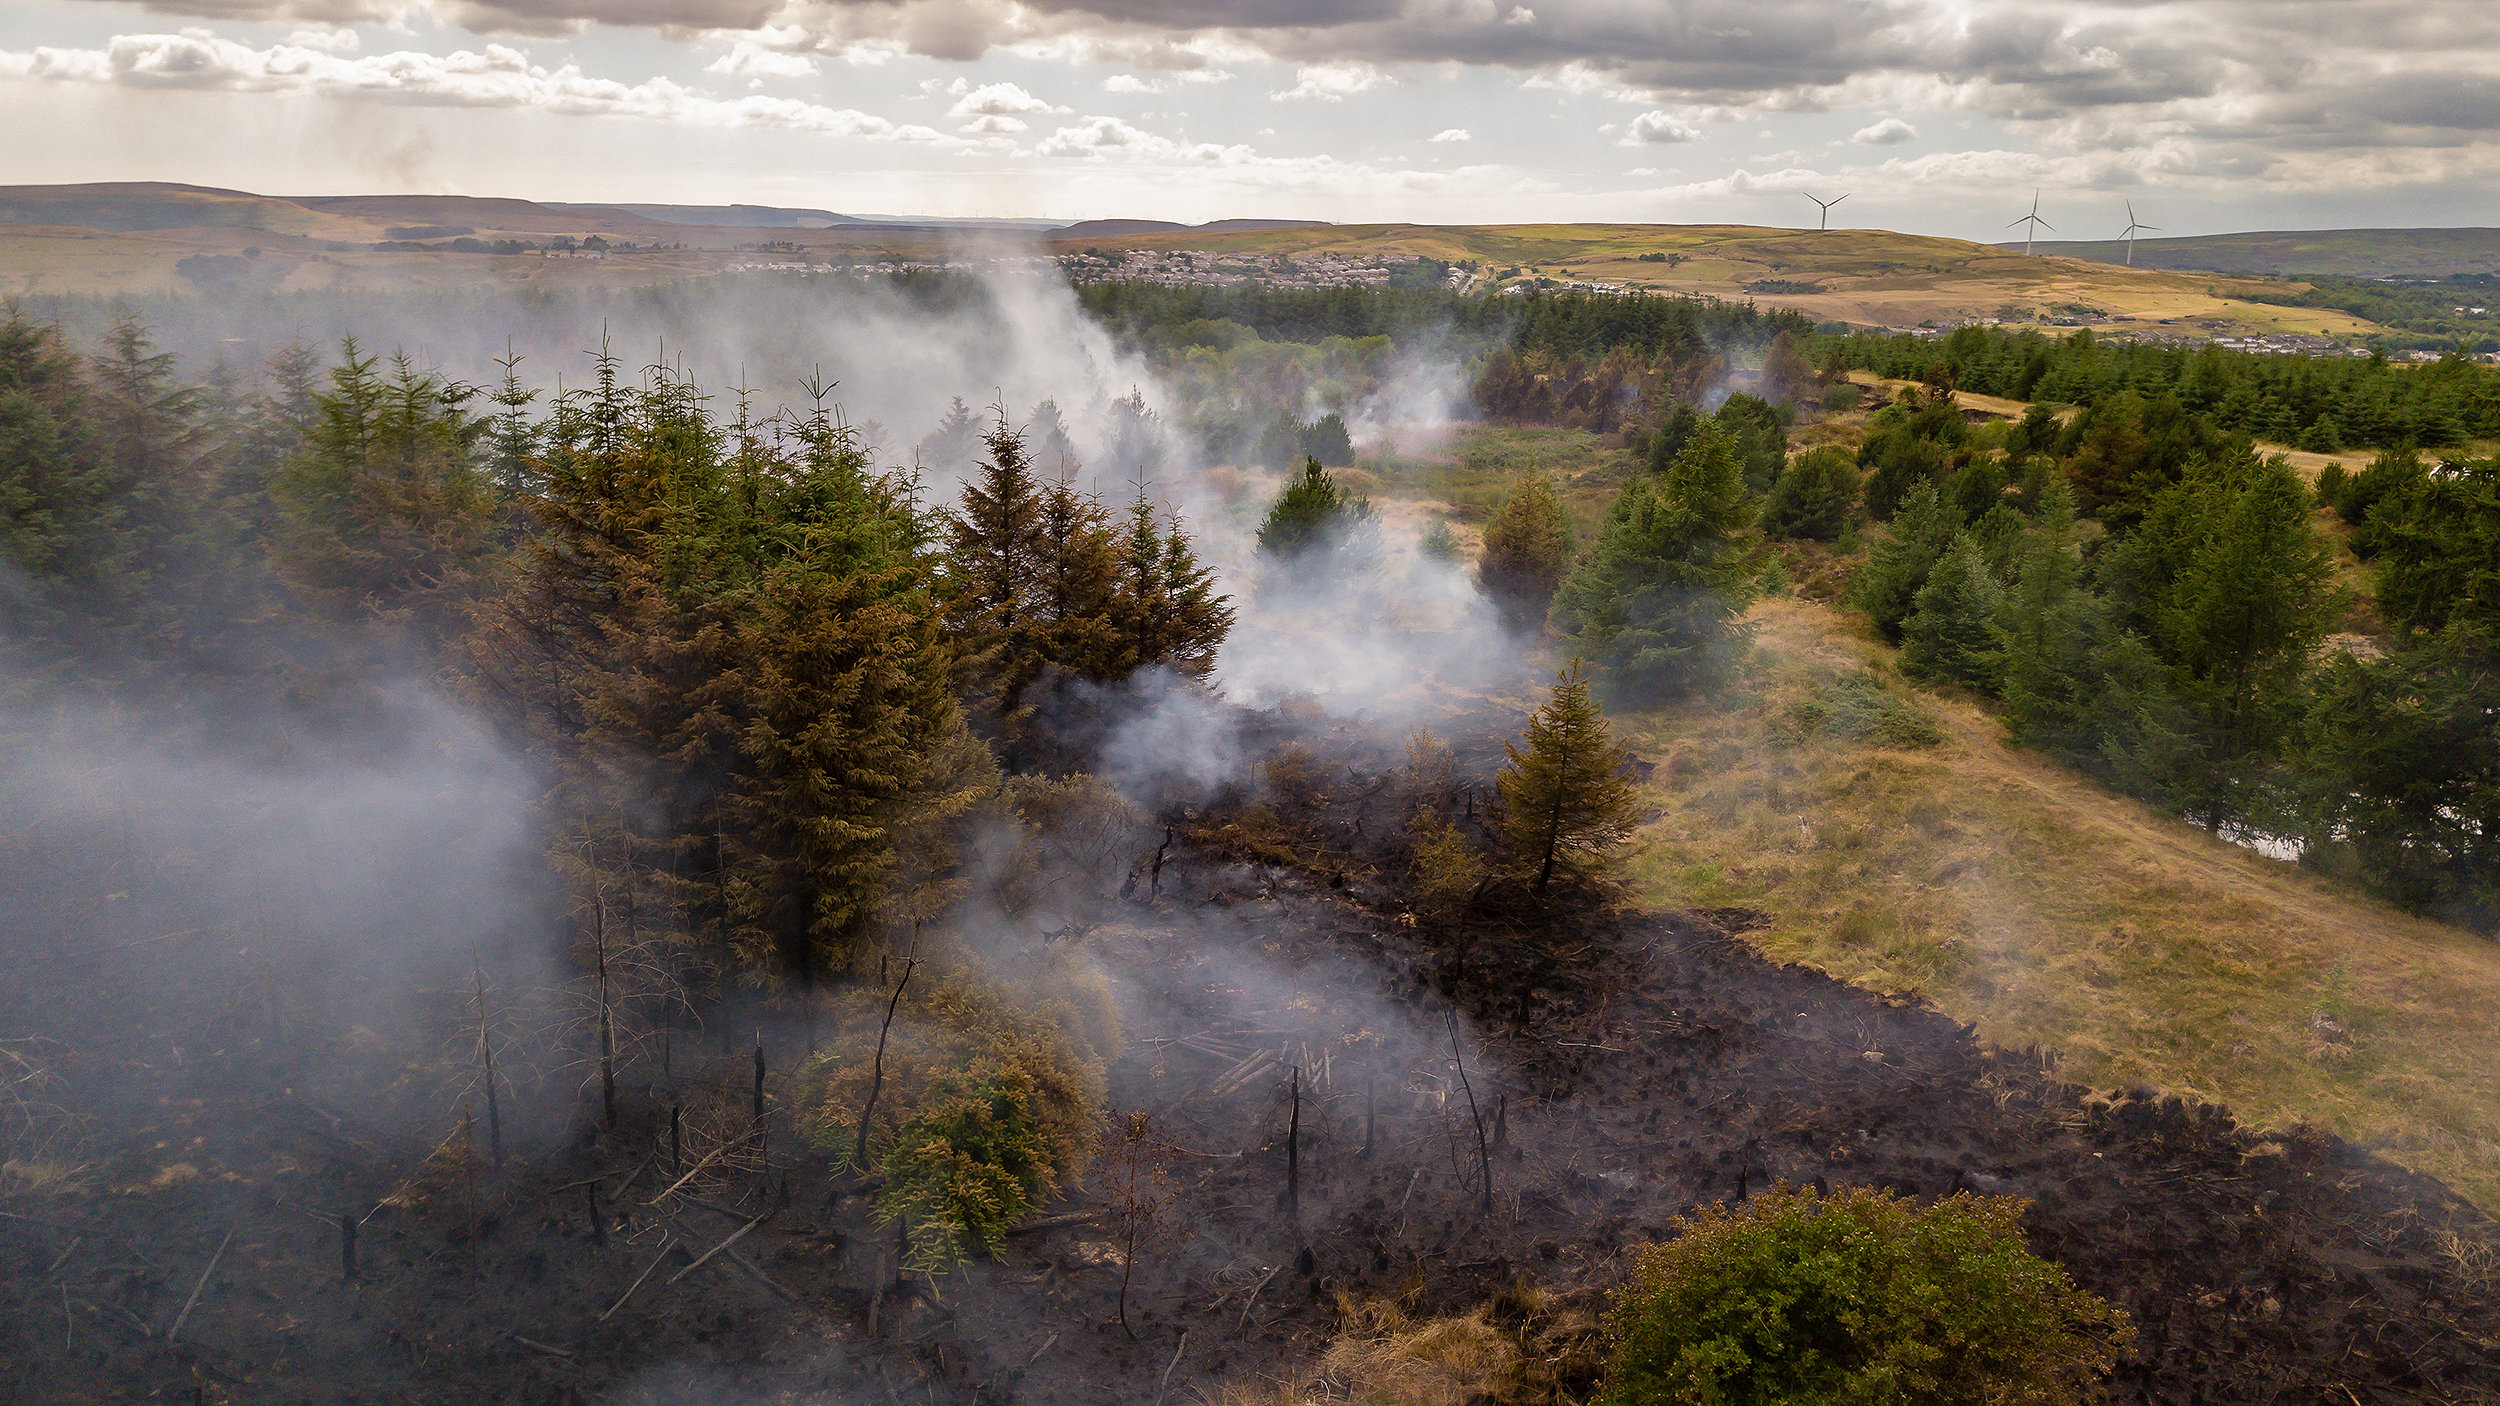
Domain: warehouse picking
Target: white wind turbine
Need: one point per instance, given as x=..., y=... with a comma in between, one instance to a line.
x=2033, y=221
x=1826, y=206
x=2133, y=224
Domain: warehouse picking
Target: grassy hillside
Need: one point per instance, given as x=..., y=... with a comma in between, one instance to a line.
x=2015, y=894
x=1854, y=275
x=2356, y=253
x=1892, y=837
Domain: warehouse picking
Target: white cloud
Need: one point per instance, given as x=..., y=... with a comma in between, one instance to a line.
x=1892, y=131
x=1454, y=134
x=1657, y=127
x=992, y=124
x=748, y=59
x=998, y=100
x=498, y=76
x=1097, y=136
x=328, y=41
x=1520, y=14
x=1163, y=83
x=1332, y=82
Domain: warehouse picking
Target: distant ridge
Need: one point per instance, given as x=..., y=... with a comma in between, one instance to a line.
x=2352, y=253
x=1110, y=229
x=726, y=216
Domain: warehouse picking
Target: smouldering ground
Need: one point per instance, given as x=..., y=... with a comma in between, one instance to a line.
x=2014, y=893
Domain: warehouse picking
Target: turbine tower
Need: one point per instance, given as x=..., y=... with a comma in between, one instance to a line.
x=2133, y=224
x=1826, y=206
x=2032, y=222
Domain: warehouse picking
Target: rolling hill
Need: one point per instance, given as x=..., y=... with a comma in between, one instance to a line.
x=2354, y=253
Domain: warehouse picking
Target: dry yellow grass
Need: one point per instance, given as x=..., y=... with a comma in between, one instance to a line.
x=2014, y=893
x=1858, y=275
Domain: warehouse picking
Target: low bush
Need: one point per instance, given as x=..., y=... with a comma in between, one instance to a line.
x=983, y=1109
x=1859, y=1298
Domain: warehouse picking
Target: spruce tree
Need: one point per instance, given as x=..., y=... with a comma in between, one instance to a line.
x=997, y=554
x=1951, y=635
x=386, y=517
x=1079, y=579
x=2048, y=628
x=1167, y=612
x=1654, y=605
x=1813, y=498
x=1527, y=547
x=1327, y=440
x=1568, y=800
x=1314, y=520
x=1887, y=587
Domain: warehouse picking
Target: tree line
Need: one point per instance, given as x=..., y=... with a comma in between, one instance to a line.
x=2136, y=589
x=2321, y=403
x=764, y=676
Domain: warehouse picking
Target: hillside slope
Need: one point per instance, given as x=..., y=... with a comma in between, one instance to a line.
x=2355, y=253
x=1866, y=276
x=2016, y=894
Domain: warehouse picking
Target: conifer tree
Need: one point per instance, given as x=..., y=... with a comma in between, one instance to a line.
x=385, y=518
x=57, y=505
x=1314, y=519
x=997, y=555
x=1527, y=547
x=1673, y=434
x=1655, y=603
x=955, y=444
x=849, y=737
x=1951, y=635
x=1327, y=440
x=1167, y=612
x=1887, y=587
x=1568, y=799
x=2046, y=633
x=1813, y=497
x=1079, y=580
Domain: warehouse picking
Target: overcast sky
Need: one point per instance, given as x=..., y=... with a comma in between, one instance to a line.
x=1937, y=116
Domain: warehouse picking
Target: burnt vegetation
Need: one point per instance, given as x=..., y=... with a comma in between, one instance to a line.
x=627, y=896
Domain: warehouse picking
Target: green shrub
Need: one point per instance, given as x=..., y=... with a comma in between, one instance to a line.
x=984, y=1108
x=1855, y=1299
x=1858, y=708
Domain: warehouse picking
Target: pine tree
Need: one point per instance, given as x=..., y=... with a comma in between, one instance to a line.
x=1527, y=547
x=1887, y=587
x=2400, y=766
x=852, y=749
x=1813, y=498
x=1655, y=603
x=1568, y=800
x=954, y=446
x=2048, y=630
x=1314, y=520
x=1079, y=580
x=385, y=518
x=996, y=558
x=1166, y=611
x=1951, y=635
x=58, y=504
x=1327, y=440
x=1673, y=434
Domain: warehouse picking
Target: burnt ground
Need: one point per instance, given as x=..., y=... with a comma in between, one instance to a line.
x=1627, y=1067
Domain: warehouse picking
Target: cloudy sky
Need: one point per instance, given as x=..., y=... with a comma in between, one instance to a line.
x=1933, y=115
